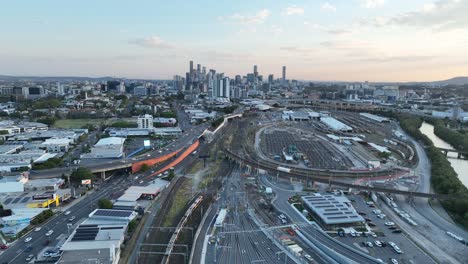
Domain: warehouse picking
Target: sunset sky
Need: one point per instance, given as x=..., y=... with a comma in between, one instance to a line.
x=346, y=40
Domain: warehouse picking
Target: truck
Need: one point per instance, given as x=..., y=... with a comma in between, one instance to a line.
x=283, y=169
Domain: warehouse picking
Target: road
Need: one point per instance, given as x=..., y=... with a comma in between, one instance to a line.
x=81, y=209
x=189, y=136
x=432, y=226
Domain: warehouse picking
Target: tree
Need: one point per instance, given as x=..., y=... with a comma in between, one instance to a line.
x=82, y=173
x=132, y=225
x=105, y=204
x=171, y=175
x=144, y=167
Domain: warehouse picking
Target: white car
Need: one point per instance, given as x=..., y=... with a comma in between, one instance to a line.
x=398, y=250
x=49, y=232
x=389, y=223
x=67, y=213
x=378, y=243
x=308, y=257
x=373, y=234
x=30, y=257
x=28, y=239
x=391, y=243
x=37, y=229
x=394, y=261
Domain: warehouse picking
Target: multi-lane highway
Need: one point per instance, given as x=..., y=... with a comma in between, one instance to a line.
x=81, y=208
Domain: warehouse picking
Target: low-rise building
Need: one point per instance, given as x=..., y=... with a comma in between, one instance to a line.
x=111, y=147
x=332, y=211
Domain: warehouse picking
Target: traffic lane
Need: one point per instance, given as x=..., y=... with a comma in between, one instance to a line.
x=17, y=253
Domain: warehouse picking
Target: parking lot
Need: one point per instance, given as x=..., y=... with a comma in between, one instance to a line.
x=410, y=252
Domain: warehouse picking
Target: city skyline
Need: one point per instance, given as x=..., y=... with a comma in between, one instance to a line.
x=359, y=40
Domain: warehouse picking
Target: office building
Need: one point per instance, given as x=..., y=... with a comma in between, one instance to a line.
x=145, y=122
x=284, y=73
x=255, y=71
x=270, y=78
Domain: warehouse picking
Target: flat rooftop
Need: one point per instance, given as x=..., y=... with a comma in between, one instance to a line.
x=332, y=210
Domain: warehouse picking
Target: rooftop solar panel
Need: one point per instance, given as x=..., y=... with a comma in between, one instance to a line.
x=113, y=213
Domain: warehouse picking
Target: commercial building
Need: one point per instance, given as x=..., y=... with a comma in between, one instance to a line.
x=98, y=239
x=145, y=122
x=332, y=211
x=111, y=147
x=57, y=144
x=376, y=118
x=335, y=125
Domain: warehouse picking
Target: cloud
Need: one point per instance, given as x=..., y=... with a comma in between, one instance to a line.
x=296, y=49
x=410, y=58
x=439, y=15
x=328, y=7
x=293, y=10
x=275, y=29
x=372, y=3
x=257, y=18
x=152, y=42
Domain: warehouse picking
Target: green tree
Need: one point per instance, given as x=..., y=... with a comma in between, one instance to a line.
x=82, y=173
x=171, y=175
x=105, y=204
x=144, y=167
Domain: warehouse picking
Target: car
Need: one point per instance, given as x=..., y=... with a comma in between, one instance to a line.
x=369, y=203
x=394, y=261
x=140, y=182
x=397, y=231
x=373, y=234
x=362, y=213
x=28, y=249
x=308, y=257
x=389, y=223
x=369, y=244
x=376, y=211
x=392, y=228
x=381, y=216
x=391, y=243
x=46, y=254
x=3, y=246
x=67, y=213
x=367, y=219
x=383, y=243
x=49, y=232
x=56, y=254
x=28, y=239
x=398, y=250
x=37, y=229
x=30, y=257
x=371, y=224
x=71, y=218
x=353, y=234
x=378, y=243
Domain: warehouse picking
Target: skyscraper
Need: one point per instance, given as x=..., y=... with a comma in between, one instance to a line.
x=198, y=68
x=284, y=73
x=191, y=67
x=255, y=71
x=271, y=78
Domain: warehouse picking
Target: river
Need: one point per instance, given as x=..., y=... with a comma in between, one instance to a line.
x=460, y=166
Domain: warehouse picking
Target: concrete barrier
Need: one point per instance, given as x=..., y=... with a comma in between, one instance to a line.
x=150, y=162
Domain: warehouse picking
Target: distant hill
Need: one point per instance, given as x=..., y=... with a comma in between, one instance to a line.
x=453, y=81
x=66, y=78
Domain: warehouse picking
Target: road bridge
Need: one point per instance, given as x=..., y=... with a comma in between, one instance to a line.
x=460, y=153
x=329, y=180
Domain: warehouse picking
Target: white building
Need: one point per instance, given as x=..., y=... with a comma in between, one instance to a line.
x=56, y=145
x=111, y=147
x=145, y=122
x=335, y=125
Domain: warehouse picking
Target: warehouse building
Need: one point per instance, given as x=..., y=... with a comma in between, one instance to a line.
x=332, y=212
x=111, y=147
x=335, y=125
x=376, y=118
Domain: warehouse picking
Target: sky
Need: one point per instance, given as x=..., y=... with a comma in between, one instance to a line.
x=333, y=40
